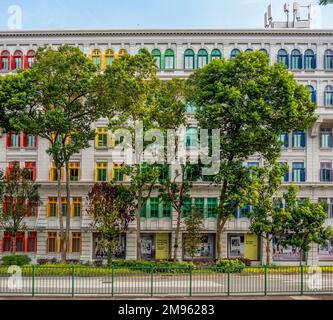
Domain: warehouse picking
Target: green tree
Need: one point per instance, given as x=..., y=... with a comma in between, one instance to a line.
x=305, y=223
x=268, y=217
x=325, y=2
x=64, y=93
x=111, y=209
x=19, y=194
x=132, y=85
x=251, y=103
x=194, y=228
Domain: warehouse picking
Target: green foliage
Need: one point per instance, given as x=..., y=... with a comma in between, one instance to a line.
x=19, y=194
x=111, y=209
x=194, y=228
x=17, y=260
x=305, y=222
x=252, y=103
x=325, y=2
x=230, y=266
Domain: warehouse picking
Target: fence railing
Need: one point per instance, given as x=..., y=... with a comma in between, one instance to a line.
x=163, y=281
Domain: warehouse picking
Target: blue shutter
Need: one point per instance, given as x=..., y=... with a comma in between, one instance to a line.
x=286, y=177
x=286, y=140
x=236, y=213
x=303, y=175
x=287, y=61
x=300, y=62
x=303, y=141
x=314, y=62
x=314, y=96
x=293, y=138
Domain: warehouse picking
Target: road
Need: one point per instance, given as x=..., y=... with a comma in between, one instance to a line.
x=169, y=285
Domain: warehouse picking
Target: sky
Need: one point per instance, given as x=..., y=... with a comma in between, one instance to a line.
x=149, y=14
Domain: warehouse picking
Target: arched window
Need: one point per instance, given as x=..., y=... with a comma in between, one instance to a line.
x=169, y=59
x=309, y=60
x=264, y=51
x=296, y=60
x=158, y=58
x=328, y=60
x=234, y=53
x=18, y=60
x=140, y=51
x=283, y=57
x=122, y=52
x=108, y=58
x=189, y=59
x=249, y=50
x=30, y=59
x=202, y=58
x=313, y=93
x=96, y=57
x=5, y=58
x=216, y=54
x=328, y=96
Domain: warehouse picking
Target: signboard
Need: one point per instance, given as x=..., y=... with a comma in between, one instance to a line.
x=162, y=246
x=251, y=247
x=236, y=246
x=205, y=249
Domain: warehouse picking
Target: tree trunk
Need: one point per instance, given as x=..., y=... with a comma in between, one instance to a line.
x=177, y=232
x=14, y=246
x=68, y=197
x=61, y=222
x=138, y=227
x=268, y=251
x=220, y=227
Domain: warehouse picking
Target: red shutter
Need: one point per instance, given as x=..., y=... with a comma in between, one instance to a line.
x=25, y=62
x=12, y=62
x=9, y=137
x=35, y=141
x=19, y=139
x=25, y=140
x=3, y=244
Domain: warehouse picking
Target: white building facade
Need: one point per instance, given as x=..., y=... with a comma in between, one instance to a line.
x=307, y=53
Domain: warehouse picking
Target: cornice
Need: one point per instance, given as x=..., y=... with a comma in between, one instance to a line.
x=164, y=32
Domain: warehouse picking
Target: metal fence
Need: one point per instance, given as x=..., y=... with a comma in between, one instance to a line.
x=163, y=281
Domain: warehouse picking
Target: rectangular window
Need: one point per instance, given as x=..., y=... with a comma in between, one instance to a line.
x=169, y=61
x=286, y=176
x=326, y=171
x=164, y=173
x=20, y=243
x=32, y=242
x=77, y=207
x=200, y=205
x=189, y=62
x=29, y=141
x=118, y=172
x=101, y=172
x=52, y=242
x=187, y=207
x=30, y=168
x=32, y=209
x=299, y=139
x=245, y=212
x=191, y=137
x=154, y=207
x=5, y=64
x=52, y=207
x=10, y=167
x=167, y=210
x=102, y=138
x=284, y=139
x=212, y=207
x=13, y=140
x=325, y=138
x=298, y=172
x=6, y=243
x=54, y=173
x=74, y=171
x=143, y=209
x=76, y=242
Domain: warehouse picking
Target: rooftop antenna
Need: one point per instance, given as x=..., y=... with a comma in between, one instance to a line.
x=268, y=17
x=286, y=10
x=297, y=11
